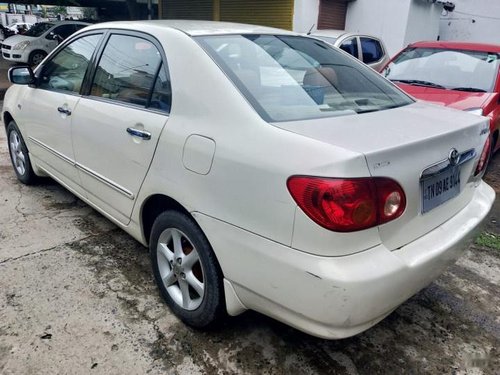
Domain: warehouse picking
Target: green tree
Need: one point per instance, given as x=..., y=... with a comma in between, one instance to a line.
x=63, y=11
x=89, y=13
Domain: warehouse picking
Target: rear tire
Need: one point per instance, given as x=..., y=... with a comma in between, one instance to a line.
x=19, y=155
x=186, y=270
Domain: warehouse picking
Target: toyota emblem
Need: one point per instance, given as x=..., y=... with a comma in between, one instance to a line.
x=454, y=156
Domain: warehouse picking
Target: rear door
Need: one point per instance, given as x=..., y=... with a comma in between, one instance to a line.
x=117, y=126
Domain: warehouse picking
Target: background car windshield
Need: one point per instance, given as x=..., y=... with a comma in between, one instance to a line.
x=451, y=69
x=38, y=29
x=290, y=78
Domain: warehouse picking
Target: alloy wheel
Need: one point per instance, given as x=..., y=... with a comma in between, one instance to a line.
x=16, y=152
x=180, y=269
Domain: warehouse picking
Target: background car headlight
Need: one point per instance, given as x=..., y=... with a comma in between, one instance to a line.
x=475, y=111
x=22, y=45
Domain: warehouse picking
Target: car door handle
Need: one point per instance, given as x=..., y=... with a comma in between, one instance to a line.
x=63, y=110
x=139, y=133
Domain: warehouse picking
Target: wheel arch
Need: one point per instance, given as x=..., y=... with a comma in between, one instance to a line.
x=7, y=118
x=153, y=206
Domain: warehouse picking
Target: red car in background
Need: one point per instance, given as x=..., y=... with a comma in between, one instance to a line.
x=464, y=76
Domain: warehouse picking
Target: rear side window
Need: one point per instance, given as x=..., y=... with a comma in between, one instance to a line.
x=351, y=47
x=129, y=70
x=372, y=50
x=162, y=94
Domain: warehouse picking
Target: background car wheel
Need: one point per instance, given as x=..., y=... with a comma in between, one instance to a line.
x=19, y=155
x=186, y=270
x=36, y=57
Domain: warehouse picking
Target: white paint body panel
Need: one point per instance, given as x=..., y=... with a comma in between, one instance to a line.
x=274, y=258
x=103, y=146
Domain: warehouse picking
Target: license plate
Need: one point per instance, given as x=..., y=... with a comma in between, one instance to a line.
x=440, y=188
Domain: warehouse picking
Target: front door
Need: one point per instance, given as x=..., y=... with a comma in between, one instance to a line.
x=117, y=127
x=48, y=109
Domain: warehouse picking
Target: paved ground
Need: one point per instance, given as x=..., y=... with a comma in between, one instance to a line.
x=77, y=297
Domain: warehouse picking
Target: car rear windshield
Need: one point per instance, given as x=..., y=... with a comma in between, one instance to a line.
x=473, y=71
x=38, y=29
x=289, y=78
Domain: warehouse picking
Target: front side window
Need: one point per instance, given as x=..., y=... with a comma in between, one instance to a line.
x=66, y=71
x=290, y=78
x=127, y=70
x=63, y=31
x=351, y=47
x=371, y=50
x=472, y=71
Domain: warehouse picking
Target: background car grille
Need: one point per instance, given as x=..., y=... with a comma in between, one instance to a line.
x=4, y=46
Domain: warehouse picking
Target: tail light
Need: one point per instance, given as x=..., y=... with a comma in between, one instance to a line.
x=483, y=159
x=348, y=205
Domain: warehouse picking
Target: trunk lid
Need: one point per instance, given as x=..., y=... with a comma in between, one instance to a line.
x=402, y=143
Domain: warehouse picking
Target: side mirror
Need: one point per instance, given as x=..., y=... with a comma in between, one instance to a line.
x=21, y=75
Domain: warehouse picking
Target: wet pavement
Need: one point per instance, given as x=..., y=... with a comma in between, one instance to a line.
x=77, y=296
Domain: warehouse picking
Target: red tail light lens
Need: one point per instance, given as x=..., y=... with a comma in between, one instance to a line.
x=348, y=205
x=483, y=159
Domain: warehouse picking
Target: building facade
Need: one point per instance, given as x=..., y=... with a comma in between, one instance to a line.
x=472, y=21
x=396, y=22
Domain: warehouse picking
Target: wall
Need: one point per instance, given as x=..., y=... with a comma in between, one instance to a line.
x=472, y=21
x=423, y=22
x=305, y=15
x=386, y=19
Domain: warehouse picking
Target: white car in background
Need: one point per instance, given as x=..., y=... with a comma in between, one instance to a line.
x=35, y=44
x=265, y=170
x=16, y=26
x=367, y=48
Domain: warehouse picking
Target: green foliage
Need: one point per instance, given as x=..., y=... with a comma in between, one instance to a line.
x=89, y=13
x=60, y=10
x=490, y=240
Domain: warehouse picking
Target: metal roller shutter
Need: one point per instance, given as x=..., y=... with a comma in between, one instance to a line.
x=274, y=13
x=332, y=14
x=187, y=9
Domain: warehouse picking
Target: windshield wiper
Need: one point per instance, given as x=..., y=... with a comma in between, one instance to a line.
x=469, y=89
x=417, y=82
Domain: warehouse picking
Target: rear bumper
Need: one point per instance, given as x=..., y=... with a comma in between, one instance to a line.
x=336, y=297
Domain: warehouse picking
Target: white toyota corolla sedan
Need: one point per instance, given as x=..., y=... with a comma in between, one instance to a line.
x=265, y=170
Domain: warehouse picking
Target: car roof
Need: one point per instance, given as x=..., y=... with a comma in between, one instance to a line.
x=467, y=46
x=330, y=33
x=66, y=22
x=195, y=27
